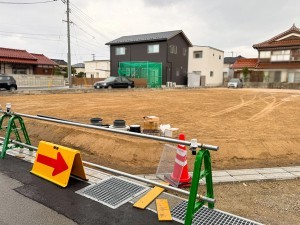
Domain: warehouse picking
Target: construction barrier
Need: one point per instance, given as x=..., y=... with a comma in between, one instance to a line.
x=200, y=150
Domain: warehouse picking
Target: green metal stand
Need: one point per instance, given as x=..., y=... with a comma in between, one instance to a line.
x=193, y=205
x=12, y=127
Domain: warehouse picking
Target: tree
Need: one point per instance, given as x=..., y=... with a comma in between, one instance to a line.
x=245, y=72
x=80, y=74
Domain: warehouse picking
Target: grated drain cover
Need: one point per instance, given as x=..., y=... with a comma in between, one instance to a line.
x=205, y=216
x=112, y=191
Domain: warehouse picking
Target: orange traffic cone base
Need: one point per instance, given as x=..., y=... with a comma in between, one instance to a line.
x=179, y=184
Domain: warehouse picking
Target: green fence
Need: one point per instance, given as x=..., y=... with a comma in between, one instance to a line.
x=152, y=71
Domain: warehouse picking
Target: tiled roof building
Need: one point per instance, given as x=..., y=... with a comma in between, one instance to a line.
x=16, y=61
x=278, y=59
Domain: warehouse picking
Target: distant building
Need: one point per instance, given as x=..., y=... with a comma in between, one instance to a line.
x=169, y=48
x=60, y=62
x=278, y=59
x=16, y=61
x=61, y=67
x=227, y=67
x=97, y=68
x=79, y=68
x=208, y=63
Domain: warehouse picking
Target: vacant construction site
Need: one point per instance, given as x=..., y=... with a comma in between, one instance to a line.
x=254, y=128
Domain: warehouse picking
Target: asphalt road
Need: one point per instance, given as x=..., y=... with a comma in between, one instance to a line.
x=18, y=209
x=28, y=199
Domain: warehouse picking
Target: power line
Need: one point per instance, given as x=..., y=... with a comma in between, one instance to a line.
x=45, y=39
x=89, y=26
x=10, y=32
x=26, y=3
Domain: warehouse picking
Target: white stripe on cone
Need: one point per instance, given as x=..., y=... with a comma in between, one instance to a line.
x=181, y=152
x=180, y=162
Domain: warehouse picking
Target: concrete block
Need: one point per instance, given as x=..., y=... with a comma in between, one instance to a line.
x=270, y=170
x=292, y=169
x=223, y=179
x=250, y=177
x=242, y=172
x=219, y=173
x=279, y=176
x=297, y=174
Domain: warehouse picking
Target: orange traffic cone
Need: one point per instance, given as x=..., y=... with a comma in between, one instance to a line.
x=180, y=176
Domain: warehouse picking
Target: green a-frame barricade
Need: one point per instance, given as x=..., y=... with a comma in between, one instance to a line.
x=202, y=158
x=12, y=122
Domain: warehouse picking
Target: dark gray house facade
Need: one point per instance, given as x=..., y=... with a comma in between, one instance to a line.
x=169, y=48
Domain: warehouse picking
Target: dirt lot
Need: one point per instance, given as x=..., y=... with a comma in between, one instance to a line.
x=253, y=128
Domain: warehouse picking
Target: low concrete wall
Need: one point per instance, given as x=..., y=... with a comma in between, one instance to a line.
x=272, y=85
x=38, y=80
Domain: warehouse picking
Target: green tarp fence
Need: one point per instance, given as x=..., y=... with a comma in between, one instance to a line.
x=152, y=71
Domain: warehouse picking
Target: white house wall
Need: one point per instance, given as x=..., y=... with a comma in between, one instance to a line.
x=97, y=68
x=212, y=60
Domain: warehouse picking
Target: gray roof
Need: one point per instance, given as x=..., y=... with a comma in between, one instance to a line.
x=231, y=60
x=78, y=65
x=60, y=62
x=161, y=36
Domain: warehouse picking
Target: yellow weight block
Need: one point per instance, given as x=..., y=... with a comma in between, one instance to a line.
x=143, y=202
x=163, y=210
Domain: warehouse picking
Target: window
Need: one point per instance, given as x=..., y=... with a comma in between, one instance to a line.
x=120, y=50
x=265, y=54
x=283, y=55
x=177, y=72
x=184, y=51
x=198, y=54
x=173, y=49
x=211, y=74
x=19, y=71
x=220, y=57
x=153, y=48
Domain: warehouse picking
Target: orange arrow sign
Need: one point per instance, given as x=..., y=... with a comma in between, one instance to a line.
x=59, y=164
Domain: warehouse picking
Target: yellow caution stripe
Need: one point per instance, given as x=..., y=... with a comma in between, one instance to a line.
x=144, y=201
x=163, y=210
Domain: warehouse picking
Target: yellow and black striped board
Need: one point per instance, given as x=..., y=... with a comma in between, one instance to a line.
x=163, y=210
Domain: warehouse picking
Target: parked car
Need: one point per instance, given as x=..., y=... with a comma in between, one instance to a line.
x=114, y=82
x=235, y=83
x=8, y=82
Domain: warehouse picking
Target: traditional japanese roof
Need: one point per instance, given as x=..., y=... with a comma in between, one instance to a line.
x=9, y=55
x=43, y=60
x=289, y=38
x=16, y=56
x=152, y=37
x=278, y=65
x=242, y=63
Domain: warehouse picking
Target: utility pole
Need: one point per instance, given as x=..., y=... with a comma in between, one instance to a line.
x=69, y=46
x=93, y=57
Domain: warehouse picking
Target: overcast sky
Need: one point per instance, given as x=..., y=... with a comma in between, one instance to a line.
x=229, y=25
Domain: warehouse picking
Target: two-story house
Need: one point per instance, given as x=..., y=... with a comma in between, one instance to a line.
x=278, y=59
x=207, y=62
x=97, y=68
x=169, y=48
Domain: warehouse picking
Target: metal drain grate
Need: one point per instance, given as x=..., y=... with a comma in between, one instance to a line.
x=112, y=191
x=206, y=216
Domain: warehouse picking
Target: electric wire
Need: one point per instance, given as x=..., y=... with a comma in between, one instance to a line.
x=26, y=3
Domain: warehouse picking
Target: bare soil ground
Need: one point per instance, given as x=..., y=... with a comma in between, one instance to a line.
x=253, y=128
